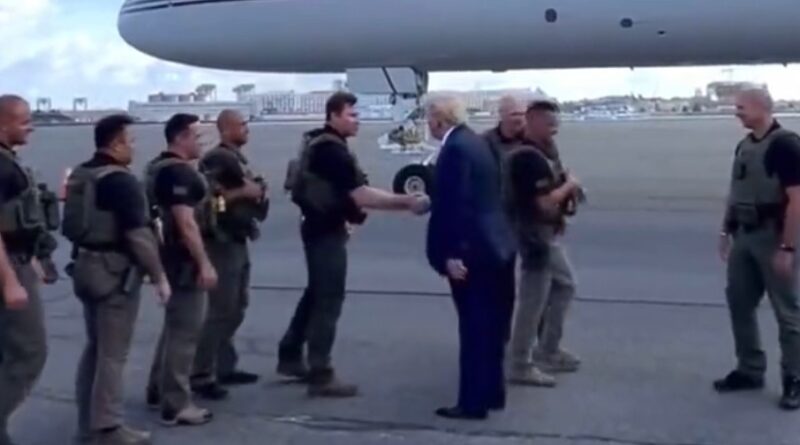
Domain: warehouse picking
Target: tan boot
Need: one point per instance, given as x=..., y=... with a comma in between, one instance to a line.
x=530, y=375
x=325, y=384
x=189, y=416
x=558, y=362
x=123, y=436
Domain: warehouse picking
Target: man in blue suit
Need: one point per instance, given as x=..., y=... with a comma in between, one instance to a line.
x=470, y=242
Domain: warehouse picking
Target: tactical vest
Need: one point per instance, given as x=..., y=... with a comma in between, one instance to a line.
x=24, y=212
x=755, y=195
x=238, y=219
x=501, y=149
x=308, y=190
x=203, y=212
x=85, y=224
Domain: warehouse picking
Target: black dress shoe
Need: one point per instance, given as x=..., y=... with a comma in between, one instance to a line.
x=238, y=378
x=737, y=381
x=497, y=407
x=459, y=414
x=790, y=401
x=210, y=391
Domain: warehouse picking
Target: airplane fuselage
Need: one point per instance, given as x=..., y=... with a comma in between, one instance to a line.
x=461, y=35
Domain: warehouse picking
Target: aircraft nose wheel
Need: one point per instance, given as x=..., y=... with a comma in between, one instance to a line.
x=412, y=179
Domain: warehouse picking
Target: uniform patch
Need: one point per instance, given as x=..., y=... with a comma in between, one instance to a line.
x=180, y=190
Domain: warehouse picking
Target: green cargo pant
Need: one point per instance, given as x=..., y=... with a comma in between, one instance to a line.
x=750, y=274
x=227, y=304
x=543, y=300
x=317, y=313
x=23, y=343
x=100, y=385
x=174, y=357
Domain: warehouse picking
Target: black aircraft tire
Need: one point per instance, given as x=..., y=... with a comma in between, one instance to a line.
x=414, y=178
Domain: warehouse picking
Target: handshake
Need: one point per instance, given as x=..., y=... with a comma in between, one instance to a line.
x=419, y=203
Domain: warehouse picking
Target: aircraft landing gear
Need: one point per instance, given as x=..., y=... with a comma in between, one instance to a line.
x=416, y=177
x=409, y=134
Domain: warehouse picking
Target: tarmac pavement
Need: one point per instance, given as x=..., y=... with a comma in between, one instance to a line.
x=651, y=324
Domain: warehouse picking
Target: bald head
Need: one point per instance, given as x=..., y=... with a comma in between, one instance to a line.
x=754, y=107
x=15, y=120
x=510, y=104
x=232, y=128
x=512, y=116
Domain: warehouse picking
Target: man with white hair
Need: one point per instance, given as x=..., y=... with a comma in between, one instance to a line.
x=508, y=133
x=758, y=240
x=503, y=139
x=470, y=242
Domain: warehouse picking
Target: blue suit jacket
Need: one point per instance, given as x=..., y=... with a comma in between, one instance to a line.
x=467, y=219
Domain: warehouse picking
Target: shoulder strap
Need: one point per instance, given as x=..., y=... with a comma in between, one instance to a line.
x=326, y=137
x=101, y=172
x=7, y=154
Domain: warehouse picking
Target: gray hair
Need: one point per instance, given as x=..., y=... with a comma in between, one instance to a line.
x=447, y=108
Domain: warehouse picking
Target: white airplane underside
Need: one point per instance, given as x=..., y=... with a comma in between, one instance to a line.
x=390, y=46
x=461, y=35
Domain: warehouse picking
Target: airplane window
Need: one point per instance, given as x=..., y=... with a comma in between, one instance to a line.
x=626, y=23
x=551, y=15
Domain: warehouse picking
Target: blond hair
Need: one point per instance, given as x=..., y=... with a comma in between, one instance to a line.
x=446, y=108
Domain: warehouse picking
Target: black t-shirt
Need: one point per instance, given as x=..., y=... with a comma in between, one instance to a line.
x=12, y=180
x=226, y=169
x=178, y=184
x=12, y=183
x=783, y=158
x=121, y=194
x=530, y=176
x=335, y=164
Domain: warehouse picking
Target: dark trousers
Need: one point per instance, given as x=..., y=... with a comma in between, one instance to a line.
x=751, y=275
x=177, y=346
x=227, y=359
x=483, y=329
x=508, y=296
x=23, y=345
x=227, y=304
x=100, y=378
x=317, y=313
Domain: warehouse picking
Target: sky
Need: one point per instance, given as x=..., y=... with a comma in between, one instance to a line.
x=64, y=49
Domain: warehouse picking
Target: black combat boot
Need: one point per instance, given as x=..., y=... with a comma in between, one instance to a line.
x=292, y=365
x=790, y=401
x=738, y=381
x=323, y=383
x=210, y=391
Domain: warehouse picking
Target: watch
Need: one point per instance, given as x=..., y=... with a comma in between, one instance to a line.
x=787, y=248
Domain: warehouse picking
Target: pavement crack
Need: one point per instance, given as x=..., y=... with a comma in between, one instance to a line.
x=442, y=294
x=334, y=424
x=361, y=426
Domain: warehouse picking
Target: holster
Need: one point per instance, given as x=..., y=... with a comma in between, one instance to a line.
x=96, y=275
x=751, y=217
x=50, y=208
x=181, y=274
